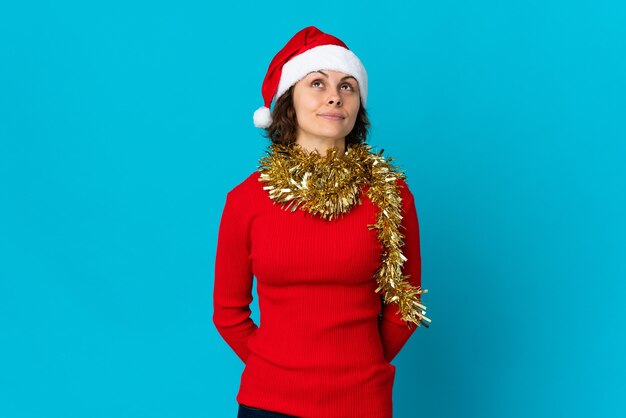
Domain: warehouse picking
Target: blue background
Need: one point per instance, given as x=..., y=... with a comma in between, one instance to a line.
x=124, y=124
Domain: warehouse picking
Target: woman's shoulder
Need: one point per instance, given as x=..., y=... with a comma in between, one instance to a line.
x=403, y=188
x=246, y=188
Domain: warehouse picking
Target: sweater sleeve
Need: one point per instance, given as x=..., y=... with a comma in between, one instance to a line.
x=232, y=290
x=394, y=332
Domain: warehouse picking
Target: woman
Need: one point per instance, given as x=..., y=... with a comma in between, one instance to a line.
x=330, y=231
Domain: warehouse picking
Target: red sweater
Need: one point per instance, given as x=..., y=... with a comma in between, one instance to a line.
x=319, y=350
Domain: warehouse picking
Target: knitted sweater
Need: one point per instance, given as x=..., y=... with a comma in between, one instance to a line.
x=320, y=350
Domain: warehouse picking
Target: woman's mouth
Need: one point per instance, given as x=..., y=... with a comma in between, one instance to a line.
x=331, y=116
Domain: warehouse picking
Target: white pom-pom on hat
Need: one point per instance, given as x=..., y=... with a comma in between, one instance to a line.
x=262, y=117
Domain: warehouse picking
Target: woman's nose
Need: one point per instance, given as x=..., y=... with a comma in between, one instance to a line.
x=334, y=100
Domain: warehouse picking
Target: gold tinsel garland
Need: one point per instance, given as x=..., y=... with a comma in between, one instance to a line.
x=329, y=186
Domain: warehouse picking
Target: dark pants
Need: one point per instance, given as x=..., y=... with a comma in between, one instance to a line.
x=251, y=412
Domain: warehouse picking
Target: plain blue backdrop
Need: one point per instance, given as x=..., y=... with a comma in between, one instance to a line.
x=124, y=124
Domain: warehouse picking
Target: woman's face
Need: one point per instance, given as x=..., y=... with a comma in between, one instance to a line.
x=326, y=104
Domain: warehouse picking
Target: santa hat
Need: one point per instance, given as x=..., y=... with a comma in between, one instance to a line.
x=309, y=50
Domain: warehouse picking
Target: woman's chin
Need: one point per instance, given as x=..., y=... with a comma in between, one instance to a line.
x=334, y=135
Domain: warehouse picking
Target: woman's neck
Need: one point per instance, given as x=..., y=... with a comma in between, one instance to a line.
x=322, y=144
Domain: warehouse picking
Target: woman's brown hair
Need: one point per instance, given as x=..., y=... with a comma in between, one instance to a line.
x=284, y=125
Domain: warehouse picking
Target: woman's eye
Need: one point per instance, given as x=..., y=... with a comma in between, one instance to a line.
x=347, y=87
x=316, y=83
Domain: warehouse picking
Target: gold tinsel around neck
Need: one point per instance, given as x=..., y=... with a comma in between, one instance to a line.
x=329, y=186
x=326, y=185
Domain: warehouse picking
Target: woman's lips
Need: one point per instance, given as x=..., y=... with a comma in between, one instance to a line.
x=331, y=116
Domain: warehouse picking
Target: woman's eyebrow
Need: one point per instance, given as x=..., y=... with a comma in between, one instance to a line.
x=326, y=75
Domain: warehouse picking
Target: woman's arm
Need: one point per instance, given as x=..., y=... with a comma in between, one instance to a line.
x=394, y=332
x=232, y=291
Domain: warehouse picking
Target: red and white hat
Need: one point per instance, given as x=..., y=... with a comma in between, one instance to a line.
x=309, y=50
